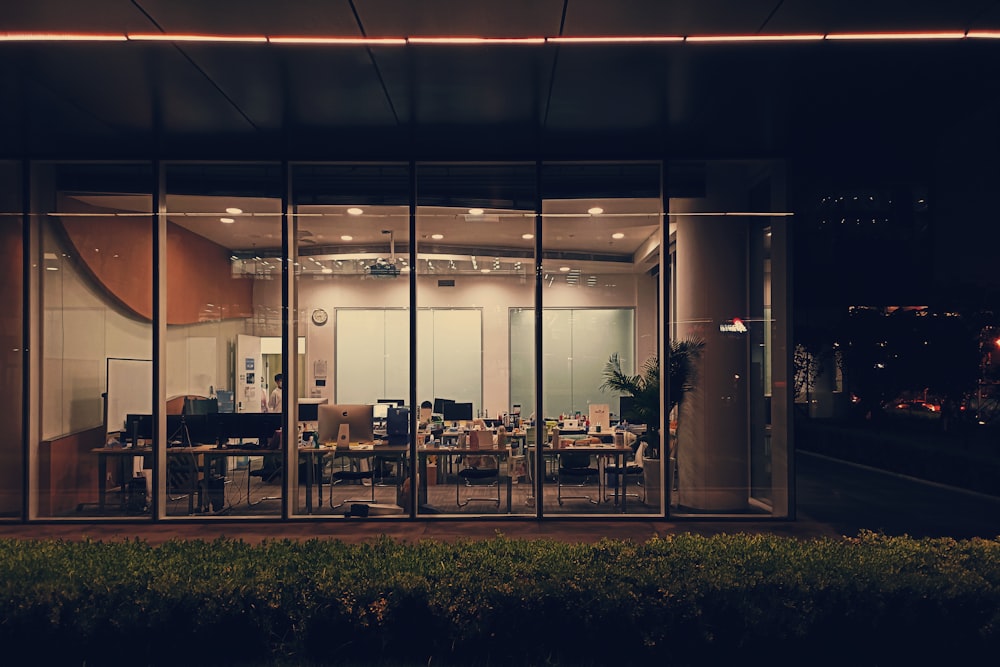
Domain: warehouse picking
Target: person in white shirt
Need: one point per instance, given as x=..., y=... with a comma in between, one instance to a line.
x=274, y=401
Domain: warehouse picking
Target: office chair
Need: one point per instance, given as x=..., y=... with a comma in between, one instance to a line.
x=350, y=473
x=184, y=479
x=478, y=471
x=632, y=470
x=578, y=467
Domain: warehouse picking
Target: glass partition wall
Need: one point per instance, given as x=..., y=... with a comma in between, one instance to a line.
x=453, y=339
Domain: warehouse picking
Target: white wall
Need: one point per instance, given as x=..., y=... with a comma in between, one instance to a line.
x=495, y=295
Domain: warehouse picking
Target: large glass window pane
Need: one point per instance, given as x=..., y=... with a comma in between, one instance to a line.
x=475, y=266
x=11, y=341
x=601, y=245
x=352, y=285
x=729, y=450
x=94, y=224
x=223, y=303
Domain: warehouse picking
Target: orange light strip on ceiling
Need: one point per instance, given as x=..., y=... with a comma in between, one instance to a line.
x=756, y=38
x=347, y=41
x=896, y=35
x=58, y=37
x=166, y=37
x=637, y=39
x=468, y=40
x=475, y=40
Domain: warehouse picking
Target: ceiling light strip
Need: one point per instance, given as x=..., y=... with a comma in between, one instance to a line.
x=876, y=36
x=625, y=39
x=475, y=40
x=719, y=214
x=334, y=40
x=756, y=38
x=59, y=37
x=168, y=37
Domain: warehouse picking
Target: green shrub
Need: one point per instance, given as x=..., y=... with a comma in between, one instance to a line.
x=676, y=600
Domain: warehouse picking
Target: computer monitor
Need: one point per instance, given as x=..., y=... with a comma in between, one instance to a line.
x=200, y=406
x=380, y=411
x=398, y=402
x=246, y=425
x=358, y=418
x=457, y=412
x=308, y=409
x=136, y=427
x=192, y=429
x=440, y=403
x=626, y=410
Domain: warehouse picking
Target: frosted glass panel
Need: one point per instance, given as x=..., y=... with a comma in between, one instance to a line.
x=597, y=334
x=522, y=360
x=576, y=345
x=397, y=355
x=373, y=355
x=457, y=345
x=361, y=367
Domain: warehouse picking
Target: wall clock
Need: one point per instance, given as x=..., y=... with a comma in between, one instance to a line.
x=319, y=317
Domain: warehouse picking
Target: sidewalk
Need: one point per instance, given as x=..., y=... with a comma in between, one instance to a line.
x=253, y=532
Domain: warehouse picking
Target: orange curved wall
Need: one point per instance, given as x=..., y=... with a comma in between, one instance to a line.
x=118, y=251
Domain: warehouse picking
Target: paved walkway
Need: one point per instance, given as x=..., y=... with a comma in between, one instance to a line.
x=253, y=532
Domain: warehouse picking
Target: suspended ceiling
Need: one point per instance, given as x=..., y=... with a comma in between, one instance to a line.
x=332, y=102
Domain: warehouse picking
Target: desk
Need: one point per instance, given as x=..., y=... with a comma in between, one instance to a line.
x=601, y=451
x=123, y=454
x=450, y=452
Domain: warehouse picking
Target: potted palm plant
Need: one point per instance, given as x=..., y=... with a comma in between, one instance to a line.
x=644, y=389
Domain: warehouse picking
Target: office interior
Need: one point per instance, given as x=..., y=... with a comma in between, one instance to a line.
x=161, y=299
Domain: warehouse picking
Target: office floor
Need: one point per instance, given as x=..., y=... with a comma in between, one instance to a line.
x=255, y=496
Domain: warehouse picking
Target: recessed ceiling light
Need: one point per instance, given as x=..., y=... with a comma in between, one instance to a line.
x=326, y=269
x=527, y=236
x=476, y=211
x=484, y=270
x=437, y=237
x=617, y=235
x=596, y=210
x=354, y=210
x=232, y=210
x=564, y=269
x=228, y=221
x=346, y=237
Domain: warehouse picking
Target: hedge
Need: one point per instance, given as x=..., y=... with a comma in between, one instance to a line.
x=675, y=600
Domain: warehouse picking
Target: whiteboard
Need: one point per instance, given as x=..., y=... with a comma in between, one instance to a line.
x=129, y=391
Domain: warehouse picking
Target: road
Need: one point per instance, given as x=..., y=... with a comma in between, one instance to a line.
x=850, y=498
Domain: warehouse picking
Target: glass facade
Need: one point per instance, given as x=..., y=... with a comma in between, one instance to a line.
x=331, y=340
x=12, y=470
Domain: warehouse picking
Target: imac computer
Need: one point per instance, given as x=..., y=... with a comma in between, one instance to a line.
x=357, y=417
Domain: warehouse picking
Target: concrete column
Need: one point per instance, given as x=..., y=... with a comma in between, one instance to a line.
x=713, y=427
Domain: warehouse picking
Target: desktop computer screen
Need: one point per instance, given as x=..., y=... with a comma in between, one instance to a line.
x=457, y=412
x=357, y=417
